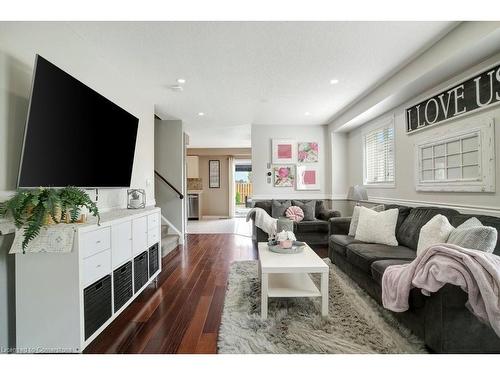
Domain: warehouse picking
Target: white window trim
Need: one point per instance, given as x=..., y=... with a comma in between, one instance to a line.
x=387, y=122
x=486, y=182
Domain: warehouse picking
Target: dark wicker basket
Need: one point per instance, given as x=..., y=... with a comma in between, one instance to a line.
x=122, y=285
x=140, y=271
x=97, y=305
x=154, y=260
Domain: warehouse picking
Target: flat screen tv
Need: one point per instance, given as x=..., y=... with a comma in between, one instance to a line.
x=74, y=136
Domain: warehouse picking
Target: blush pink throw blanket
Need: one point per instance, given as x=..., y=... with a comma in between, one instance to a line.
x=476, y=272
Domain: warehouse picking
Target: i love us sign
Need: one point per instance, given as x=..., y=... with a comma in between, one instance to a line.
x=474, y=94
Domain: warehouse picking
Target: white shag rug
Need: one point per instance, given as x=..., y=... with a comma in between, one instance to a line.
x=356, y=323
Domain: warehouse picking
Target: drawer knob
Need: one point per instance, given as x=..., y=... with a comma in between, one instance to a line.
x=98, y=266
x=98, y=241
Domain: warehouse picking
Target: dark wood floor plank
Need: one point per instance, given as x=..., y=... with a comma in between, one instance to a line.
x=183, y=314
x=192, y=336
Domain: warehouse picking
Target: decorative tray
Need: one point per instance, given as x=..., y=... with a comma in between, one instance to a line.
x=296, y=248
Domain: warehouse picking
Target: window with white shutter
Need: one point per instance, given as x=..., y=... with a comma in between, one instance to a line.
x=379, y=165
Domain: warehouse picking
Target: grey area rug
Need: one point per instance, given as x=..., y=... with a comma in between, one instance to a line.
x=356, y=324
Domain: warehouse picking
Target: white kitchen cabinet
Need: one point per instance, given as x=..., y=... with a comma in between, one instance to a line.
x=193, y=167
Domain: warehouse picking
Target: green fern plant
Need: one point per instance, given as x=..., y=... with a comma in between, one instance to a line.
x=33, y=209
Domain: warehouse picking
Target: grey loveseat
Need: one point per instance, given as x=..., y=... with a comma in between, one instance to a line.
x=314, y=232
x=441, y=320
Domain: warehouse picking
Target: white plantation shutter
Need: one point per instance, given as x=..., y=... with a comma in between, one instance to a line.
x=379, y=155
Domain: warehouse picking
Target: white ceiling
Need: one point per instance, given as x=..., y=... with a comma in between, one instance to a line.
x=243, y=73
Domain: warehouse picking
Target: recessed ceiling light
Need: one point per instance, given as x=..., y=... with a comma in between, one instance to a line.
x=181, y=80
x=307, y=113
x=201, y=113
x=334, y=81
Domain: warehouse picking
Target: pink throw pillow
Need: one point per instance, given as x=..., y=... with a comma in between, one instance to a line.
x=294, y=213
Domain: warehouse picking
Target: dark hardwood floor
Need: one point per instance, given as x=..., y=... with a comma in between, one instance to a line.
x=181, y=315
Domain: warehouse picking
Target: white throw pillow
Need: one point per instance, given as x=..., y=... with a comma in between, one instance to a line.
x=377, y=227
x=437, y=230
x=355, y=217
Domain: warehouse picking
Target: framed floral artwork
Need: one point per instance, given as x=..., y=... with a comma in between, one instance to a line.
x=284, y=151
x=284, y=176
x=308, y=152
x=307, y=177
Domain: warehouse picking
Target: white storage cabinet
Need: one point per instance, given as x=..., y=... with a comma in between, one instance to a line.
x=65, y=300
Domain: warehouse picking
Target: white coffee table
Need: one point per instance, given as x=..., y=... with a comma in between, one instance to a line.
x=287, y=275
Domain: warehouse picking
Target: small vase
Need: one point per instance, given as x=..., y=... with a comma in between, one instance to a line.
x=286, y=244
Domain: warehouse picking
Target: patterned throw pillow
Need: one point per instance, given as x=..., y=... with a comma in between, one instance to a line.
x=355, y=217
x=472, y=234
x=295, y=213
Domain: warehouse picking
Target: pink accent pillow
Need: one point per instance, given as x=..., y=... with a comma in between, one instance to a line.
x=294, y=213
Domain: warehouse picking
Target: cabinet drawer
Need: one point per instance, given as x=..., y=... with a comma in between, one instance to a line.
x=96, y=267
x=95, y=241
x=153, y=221
x=153, y=236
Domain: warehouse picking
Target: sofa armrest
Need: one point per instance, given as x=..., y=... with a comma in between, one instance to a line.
x=327, y=214
x=339, y=225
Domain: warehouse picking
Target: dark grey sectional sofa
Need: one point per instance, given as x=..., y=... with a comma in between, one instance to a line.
x=314, y=232
x=441, y=320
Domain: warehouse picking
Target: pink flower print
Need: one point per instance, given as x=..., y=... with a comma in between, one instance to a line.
x=314, y=146
x=283, y=172
x=302, y=155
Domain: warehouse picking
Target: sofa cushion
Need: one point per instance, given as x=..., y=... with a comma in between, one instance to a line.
x=409, y=230
x=339, y=242
x=314, y=226
x=323, y=213
x=378, y=267
x=278, y=208
x=265, y=205
x=404, y=211
x=308, y=207
x=489, y=221
x=362, y=255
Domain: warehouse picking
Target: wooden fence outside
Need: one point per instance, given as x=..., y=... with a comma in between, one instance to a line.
x=245, y=190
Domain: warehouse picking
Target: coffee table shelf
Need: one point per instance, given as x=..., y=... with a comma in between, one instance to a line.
x=291, y=285
x=287, y=275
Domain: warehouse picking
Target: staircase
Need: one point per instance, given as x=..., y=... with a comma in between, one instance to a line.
x=169, y=240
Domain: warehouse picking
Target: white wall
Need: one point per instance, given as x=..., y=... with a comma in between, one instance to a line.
x=261, y=155
x=169, y=162
x=405, y=169
x=19, y=42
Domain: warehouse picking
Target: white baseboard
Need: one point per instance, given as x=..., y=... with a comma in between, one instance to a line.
x=213, y=217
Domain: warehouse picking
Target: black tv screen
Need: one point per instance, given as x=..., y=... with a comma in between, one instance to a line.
x=74, y=136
